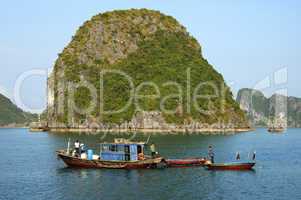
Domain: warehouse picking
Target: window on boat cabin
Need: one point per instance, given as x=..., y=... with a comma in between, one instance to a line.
x=139, y=149
x=120, y=148
x=127, y=149
x=127, y=152
x=113, y=147
x=105, y=147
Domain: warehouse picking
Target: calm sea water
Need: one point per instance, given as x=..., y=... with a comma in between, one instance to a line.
x=30, y=169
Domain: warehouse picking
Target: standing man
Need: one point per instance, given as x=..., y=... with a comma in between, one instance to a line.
x=254, y=155
x=237, y=156
x=211, y=154
x=76, y=147
x=82, y=148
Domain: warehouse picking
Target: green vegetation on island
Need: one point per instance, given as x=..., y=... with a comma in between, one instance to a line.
x=149, y=47
x=11, y=115
x=262, y=110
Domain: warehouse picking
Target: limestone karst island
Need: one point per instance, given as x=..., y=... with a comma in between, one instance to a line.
x=146, y=73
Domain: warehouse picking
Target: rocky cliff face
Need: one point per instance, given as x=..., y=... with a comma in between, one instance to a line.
x=262, y=111
x=152, y=49
x=294, y=112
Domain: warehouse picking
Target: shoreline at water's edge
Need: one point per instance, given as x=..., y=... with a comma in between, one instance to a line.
x=168, y=131
x=14, y=127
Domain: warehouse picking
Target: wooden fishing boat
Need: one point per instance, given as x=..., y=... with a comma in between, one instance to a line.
x=186, y=162
x=72, y=161
x=276, y=129
x=230, y=166
x=121, y=154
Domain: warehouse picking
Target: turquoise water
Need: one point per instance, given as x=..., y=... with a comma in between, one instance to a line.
x=30, y=169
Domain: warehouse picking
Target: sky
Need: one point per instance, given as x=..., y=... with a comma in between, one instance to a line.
x=254, y=44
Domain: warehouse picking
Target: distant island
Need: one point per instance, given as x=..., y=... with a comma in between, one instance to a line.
x=11, y=116
x=263, y=111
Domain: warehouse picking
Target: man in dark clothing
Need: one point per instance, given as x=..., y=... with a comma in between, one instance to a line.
x=77, y=147
x=211, y=154
x=237, y=156
x=254, y=155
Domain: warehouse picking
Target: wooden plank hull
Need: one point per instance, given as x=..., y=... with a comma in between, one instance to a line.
x=276, y=130
x=231, y=166
x=76, y=162
x=186, y=162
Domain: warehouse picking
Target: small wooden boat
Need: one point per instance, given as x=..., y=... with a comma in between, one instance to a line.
x=186, y=162
x=230, y=166
x=276, y=129
x=39, y=126
x=121, y=154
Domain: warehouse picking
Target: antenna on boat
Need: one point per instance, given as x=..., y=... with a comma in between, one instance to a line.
x=68, y=146
x=148, y=139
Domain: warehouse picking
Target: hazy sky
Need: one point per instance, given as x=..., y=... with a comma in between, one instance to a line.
x=246, y=42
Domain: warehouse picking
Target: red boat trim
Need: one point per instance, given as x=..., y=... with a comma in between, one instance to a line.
x=231, y=166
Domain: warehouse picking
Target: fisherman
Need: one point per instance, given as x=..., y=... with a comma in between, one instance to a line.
x=254, y=155
x=237, y=156
x=76, y=147
x=82, y=148
x=211, y=154
x=153, y=150
x=141, y=156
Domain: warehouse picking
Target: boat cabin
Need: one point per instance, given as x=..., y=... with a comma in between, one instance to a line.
x=121, y=150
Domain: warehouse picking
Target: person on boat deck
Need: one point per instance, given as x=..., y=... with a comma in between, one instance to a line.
x=211, y=154
x=141, y=156
x=237, y=156
x=76, y=146
x=82, y=148
x=254, y=155
x=153, y=149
